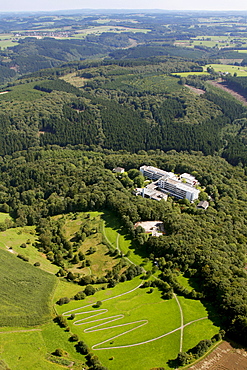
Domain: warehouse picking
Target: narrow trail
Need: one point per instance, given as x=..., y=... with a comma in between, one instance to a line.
x=182, y=323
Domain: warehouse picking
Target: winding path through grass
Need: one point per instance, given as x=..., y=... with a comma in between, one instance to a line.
x=110, y=319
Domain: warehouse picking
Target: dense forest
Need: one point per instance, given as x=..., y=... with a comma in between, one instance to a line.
x=122, y=106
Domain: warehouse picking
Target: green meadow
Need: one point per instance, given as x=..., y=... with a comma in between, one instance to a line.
x=14, y=238
x=133, y=329
x=131, y=325
x=226, y=68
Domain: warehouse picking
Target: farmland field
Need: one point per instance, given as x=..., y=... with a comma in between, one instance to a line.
x=27, y=292
x=225, y=68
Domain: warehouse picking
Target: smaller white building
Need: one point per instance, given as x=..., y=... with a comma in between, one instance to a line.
x=118, y=170
x=189, y=179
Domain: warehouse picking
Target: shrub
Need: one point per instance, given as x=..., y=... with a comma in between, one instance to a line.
x=58, y=352
x=89, y=290
x=79, y=296
x=74, y=338
x=24, y=258
x=63, y=300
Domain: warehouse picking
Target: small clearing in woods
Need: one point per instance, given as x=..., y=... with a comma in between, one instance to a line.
x=195, y=90
x=236, y=95
x=223, y=357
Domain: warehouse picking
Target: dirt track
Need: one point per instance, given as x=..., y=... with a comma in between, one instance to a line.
x=224, y=357
x=232, y=92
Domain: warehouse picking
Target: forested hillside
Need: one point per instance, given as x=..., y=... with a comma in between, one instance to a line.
x=131, y=106
x=208, y=246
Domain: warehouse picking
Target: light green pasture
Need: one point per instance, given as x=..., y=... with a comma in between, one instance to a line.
x=162, y=317
x=241, y=71
x=15, y=237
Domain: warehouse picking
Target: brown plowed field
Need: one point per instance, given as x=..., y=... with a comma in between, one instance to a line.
x=224, y=357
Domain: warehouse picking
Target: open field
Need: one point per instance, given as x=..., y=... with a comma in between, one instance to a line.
x=135, y=326
x=74, y=80
x=100, y=29
x=26, y=292
x=12, y=239
x=185, y=74
x=23, y=350
x=155, y=83
x=226, y=68
x=117, y=237
x=24, y=92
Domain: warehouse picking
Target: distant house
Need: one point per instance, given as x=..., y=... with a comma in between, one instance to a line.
x=203, y=205
x=118, y=170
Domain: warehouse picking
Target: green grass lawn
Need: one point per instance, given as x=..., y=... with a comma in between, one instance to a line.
x=155, y=83
x=119, y=239
x=22, y=351
x=30, y=350
x=184, y=282
x=26, y=292
x=135, y=308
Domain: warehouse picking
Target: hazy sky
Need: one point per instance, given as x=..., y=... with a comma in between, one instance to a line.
x=43, y=5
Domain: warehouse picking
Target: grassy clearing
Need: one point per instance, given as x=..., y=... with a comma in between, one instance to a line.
x=24, y=92
x=241, y=51
x=184, y=282
x=226, y=68
x=66, y=289
x=100, y=260
x=25, y=351
x=119, y=239
x=198, y=331
x=154, y=83
x=26, y=292
x=74, y=80
x=15, y=237
x=185, y=74
x=4, y=216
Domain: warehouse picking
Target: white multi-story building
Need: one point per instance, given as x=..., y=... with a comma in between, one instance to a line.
x=154, y=173
x=178, y=189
